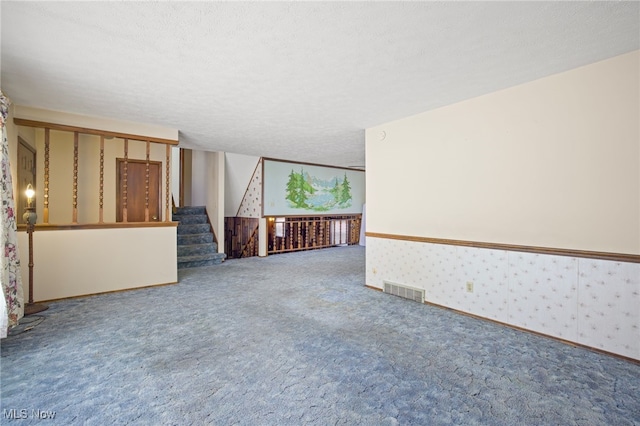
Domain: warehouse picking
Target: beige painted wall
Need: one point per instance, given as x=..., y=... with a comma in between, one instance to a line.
x=207, y=188
x=550, y=163
x=12, y=141
x=238, y=171
x=81, y=262
x=175, y=175
x=187, y=174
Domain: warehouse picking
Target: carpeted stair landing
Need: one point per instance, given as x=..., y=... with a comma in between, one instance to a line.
x=196, y=246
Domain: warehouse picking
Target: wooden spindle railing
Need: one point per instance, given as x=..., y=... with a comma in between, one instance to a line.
x=167, y=165
x=124, y=177
x=45, y=212
x=101, y=195
x=150, y=176
x=74, y=218
x=305, y=233
x=146, y=182
x=250, y=248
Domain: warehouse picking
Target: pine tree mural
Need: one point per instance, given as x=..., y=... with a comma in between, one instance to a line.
x=308, y=192
x=298, y=190
x=336, y=190
x=345, y=193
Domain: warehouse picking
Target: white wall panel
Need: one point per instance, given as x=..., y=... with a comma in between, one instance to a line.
x=591, y=302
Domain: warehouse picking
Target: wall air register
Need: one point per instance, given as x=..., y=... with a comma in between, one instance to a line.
x=406, y=292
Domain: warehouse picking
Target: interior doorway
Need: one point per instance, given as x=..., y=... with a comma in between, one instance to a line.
x=137, y=191
x=26, y=175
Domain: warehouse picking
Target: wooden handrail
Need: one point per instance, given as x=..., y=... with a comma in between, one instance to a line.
x=112, y=225
x=251, y=243
x=89, y=131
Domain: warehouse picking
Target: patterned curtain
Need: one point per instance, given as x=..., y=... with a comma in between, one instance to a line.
x=12, y=303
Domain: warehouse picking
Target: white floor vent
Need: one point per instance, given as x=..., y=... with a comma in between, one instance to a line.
x=406, y=292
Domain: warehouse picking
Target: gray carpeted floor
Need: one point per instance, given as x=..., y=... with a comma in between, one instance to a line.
x=296, y=339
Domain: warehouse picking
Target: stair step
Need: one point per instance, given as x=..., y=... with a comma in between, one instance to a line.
x=192, y=249
x=200, y=260
x=206, y=256
x=188, y=239
x=198, y=228
x=199, y=263
x=190, y=219
x=190, y=210
x=195, y=240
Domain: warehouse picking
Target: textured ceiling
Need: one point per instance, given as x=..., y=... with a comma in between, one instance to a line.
x=299, y=80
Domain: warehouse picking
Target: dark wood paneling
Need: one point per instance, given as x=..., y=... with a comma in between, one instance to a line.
x=241, y=237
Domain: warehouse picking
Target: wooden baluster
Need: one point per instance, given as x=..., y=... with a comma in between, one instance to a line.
x=167, y=182
x=314, y=236
x=299, y=234
x=101, y=196
x=350, y=228
x=75, y=178
x=124, y=181
x=345, y=221
x=146, y=184
x=272, y=230
x=327, y=233
x=45, y=212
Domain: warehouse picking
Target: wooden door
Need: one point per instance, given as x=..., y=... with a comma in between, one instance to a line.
x=136, y=191
x=26, y=176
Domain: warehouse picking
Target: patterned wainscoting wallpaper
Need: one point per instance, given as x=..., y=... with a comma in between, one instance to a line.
x=251, y=205
x=587, y=301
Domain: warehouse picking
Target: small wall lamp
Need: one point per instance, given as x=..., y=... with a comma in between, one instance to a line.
x=30, y=193
x=30, y=218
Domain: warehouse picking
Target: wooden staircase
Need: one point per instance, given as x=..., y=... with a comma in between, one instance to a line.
x=196, y=244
